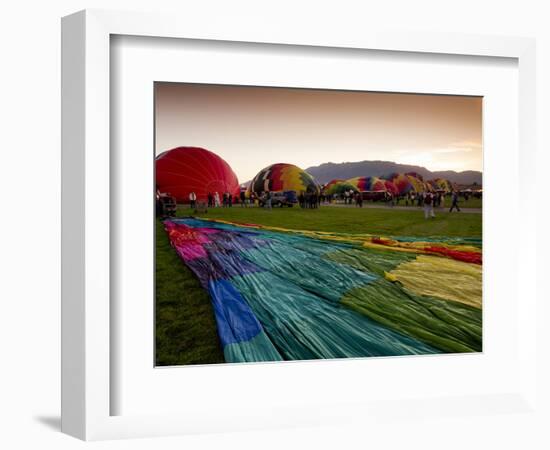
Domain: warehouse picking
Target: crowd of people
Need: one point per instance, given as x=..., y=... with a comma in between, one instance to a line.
x=213, y=200
x=309, y=200
x=426, y=200
x=312, y=200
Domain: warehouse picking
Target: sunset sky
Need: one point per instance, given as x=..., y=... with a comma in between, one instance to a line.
x=253, y=127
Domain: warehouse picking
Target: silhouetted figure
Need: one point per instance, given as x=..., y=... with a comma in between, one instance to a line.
x=243, y=199
x=454, y=201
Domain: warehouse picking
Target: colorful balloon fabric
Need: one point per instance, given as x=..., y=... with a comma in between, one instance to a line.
x=283, y=177
x=408, y=182
x=339, y=188
x=364, y=184
x=373, y=184
x=441, y=184
x=390, y=187
x=403, y=184
x=333, y=182
x=183, y=170
x=281, y=294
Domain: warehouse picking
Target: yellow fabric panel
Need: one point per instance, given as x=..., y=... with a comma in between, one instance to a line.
x=418, y=246
x=390, y=277
x=290, y=177
x=443, y=278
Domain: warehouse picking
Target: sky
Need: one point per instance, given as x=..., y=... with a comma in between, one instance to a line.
x=253, y=127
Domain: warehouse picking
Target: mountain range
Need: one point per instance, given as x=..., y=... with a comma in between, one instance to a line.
x=330, y=171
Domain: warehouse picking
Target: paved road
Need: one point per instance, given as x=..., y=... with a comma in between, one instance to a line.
x=402, y=208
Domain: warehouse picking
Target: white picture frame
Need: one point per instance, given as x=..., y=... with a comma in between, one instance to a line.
x=87, y=385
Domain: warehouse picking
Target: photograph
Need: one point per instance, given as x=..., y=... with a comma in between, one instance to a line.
x=296, y=224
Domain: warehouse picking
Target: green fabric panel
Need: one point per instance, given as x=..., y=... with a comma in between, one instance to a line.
x=325, y=278
x=257, y=349
x=303, y=326
x=370, y=260
x=448, y=326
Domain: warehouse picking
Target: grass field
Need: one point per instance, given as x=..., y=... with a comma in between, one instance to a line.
x=384, y=221
x=472, y=202
x=185, y=325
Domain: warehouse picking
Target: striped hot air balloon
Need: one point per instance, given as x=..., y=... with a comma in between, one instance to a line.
x=339, y=188
x=283, y=177
x=405, y=183
x=368, y=184
x=441, y=184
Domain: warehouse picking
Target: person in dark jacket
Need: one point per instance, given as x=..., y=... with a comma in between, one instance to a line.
x=242, y=197
x=454, y=202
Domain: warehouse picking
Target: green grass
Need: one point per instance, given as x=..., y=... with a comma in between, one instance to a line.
x=185, y=325
x=383, y=221
x=472, y=202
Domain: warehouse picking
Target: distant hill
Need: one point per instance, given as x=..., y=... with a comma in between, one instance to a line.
x=329, y=171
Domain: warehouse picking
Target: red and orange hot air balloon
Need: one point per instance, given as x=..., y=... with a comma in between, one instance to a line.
x=183, y=170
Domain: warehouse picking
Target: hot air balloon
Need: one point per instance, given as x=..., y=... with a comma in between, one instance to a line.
x=183, y=170
x=418, y=184
x=327, y=187
x=415, y=175
x=368, y=184
x=405, y=183
x=390, y=187
x=283, y=177
x=339, y=188
x=441, y=184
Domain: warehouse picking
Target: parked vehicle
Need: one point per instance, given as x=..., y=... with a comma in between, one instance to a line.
x=166, y=205
x=283, y=198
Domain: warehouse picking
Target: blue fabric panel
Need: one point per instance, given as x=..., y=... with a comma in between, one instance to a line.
x=236, y=321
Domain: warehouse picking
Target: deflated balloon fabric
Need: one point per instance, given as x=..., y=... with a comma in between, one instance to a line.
x=282, y=294
x=442, y=278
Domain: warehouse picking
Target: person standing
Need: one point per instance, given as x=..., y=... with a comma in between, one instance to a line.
x=428, y=205
x=210, y=200
x=192, y=200
x=268, y=200
x=454, y=201
x=243, y=199
x=216, y=199
x=229, y=200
